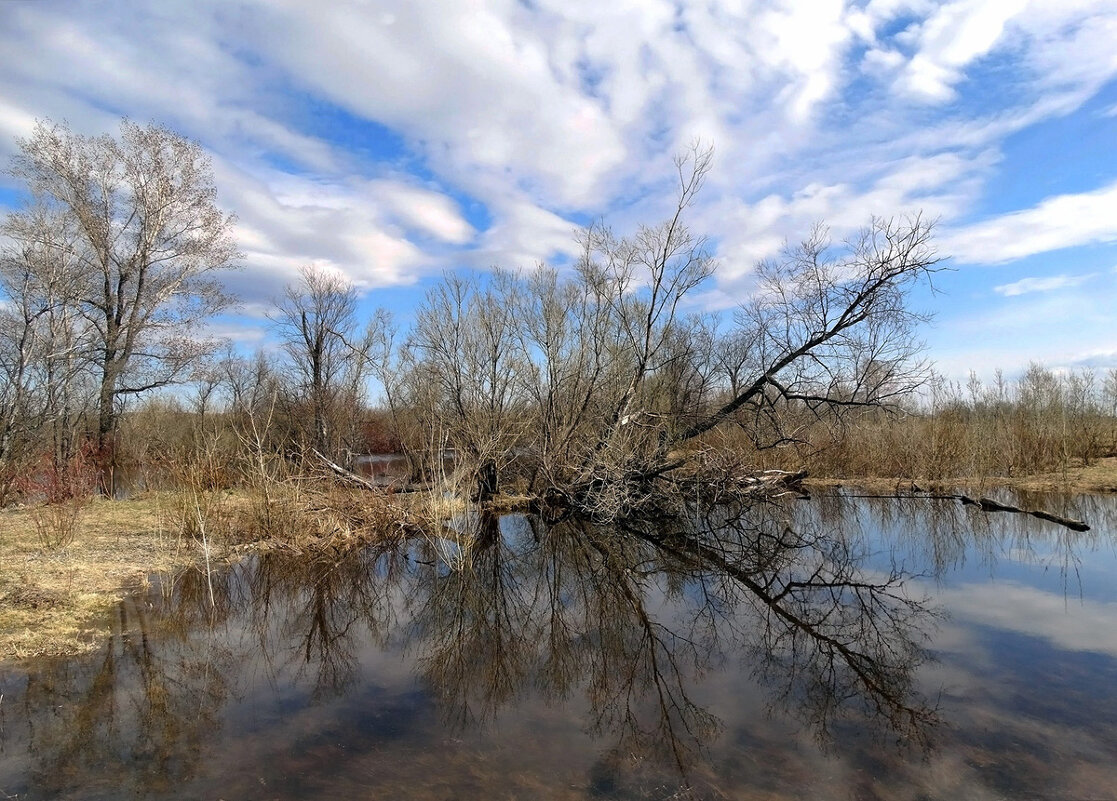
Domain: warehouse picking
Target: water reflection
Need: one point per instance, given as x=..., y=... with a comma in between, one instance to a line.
x=143, y=710
x=635, y=651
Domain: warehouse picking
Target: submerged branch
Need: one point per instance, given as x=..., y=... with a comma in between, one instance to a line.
x=987, y=505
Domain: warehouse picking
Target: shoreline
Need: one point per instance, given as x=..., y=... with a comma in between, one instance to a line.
x=56, y=601
x=1097, y=478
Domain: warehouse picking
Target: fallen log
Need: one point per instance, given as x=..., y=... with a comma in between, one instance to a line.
x=348, y=475
x=394, y=488
x=986, y=505
x=990, y=505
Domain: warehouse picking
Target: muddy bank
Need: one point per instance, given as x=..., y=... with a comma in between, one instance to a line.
x=1100, y=476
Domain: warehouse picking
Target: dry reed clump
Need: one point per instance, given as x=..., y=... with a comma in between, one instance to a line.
x=316, y=512
x=1056, y=427
x=954, y=447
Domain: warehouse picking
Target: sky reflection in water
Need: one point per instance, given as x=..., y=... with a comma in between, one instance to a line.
x=838, y=648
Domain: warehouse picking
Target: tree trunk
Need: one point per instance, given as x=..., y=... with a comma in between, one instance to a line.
x=106, y=436
x=487, y=483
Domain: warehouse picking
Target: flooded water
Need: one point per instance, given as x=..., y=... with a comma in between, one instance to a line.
x=385, y=469
x=834, y=649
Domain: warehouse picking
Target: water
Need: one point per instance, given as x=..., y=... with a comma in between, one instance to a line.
x=837, y=649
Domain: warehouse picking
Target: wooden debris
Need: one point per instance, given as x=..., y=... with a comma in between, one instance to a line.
x=348, y=475
x=986, y=505
x=990, y=505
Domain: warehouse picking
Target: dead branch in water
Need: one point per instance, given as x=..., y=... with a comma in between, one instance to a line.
x=987, y=505
x=348, y=475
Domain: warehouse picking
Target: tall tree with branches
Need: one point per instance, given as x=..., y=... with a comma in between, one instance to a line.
x=327, y=352
x=150, y=243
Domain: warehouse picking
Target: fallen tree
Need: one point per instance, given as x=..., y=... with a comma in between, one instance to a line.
x=599, y=388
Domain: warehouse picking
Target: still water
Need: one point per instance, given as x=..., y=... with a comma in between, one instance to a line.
x=837, y=648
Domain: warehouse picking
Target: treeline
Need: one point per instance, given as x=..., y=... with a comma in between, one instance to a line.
x=247, y=411
x=601, y=386
x=1040, y=422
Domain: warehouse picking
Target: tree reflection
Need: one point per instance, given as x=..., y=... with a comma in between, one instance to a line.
x=836, y=638
x=315, y=611
x=624, y=618
x=140, y=713
x=633, y=612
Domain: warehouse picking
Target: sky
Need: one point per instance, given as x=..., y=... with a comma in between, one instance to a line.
x=395, y=141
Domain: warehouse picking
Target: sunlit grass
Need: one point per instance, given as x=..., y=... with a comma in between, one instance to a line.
x=56, y=600
x=1098, y=476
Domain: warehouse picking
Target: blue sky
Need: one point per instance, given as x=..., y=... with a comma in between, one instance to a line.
x=394, y=140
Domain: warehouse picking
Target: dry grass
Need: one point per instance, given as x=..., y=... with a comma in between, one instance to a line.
x=1100, y=476
x=57, y=600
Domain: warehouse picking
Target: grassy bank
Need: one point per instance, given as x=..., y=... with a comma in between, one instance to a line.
x=57, y=592
x=56, y=599
x=1099, y=476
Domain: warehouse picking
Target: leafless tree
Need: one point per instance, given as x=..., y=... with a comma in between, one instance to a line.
x=327, y=352
x=830, y=328
x=142, y=230
x=463, y=350
x=642, y=281
x=827, y=332
x=603, y=382
x=42, y=340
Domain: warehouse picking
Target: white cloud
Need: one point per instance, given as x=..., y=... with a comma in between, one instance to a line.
x=1058, y=222
x=1102, y=358
x=286, y=221
x=430, y=212
x=472, y=85
x=537, y=114
x=1041, y=284
x=524, y=235
x=955, y=35
x=1069, y=623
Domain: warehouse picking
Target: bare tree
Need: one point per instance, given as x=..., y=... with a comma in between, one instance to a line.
x=328, y=354
x=1109, y=384
x=642, y=281
x=600, y=384
x=828, y=331
x=149, y=241
x=833, y=330
x=42, y=339
x=464, y=351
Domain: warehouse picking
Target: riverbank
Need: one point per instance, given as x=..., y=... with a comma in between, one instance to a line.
x=57, y=600
x=1100, y=476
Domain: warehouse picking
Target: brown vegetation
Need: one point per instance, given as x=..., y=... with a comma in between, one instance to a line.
x=55, y=599
x=1045, y=429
